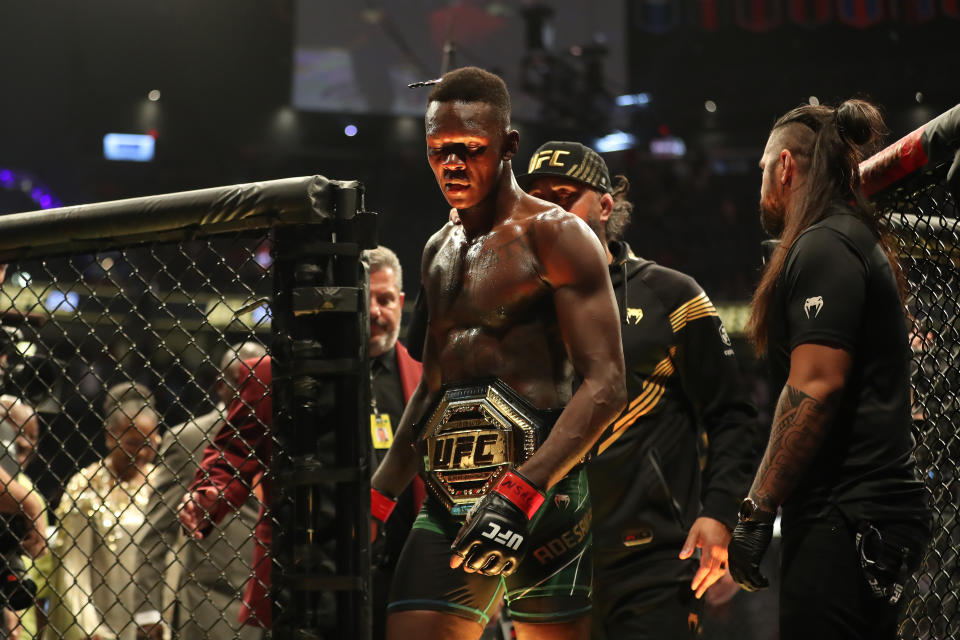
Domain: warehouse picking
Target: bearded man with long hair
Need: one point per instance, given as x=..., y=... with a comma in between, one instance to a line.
x=829, y=316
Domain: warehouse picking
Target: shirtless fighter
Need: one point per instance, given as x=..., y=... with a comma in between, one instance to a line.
x=518, y=299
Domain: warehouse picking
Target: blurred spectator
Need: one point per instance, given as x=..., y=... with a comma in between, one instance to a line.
x=16, y=420
x=394, y=376
x=196, y=584
x=103, y=506
x=232, y=463
x=231, y=468
x=29, y=430
x=19, y=431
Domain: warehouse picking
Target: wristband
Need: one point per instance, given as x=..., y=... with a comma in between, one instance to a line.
x=750, y=511
x=381, y=505
x=521, y=492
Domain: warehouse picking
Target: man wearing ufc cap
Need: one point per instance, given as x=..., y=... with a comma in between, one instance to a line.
x=653, y=505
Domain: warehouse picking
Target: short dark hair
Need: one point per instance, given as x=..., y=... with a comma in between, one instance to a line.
x=473, y=84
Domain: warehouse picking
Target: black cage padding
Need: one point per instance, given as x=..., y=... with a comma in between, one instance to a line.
x=934, y=143
x=176, y=216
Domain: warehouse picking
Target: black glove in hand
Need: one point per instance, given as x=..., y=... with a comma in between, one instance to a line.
x=746, y=550
x=495, y=536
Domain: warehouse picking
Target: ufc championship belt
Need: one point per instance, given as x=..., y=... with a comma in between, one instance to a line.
x=474, y=434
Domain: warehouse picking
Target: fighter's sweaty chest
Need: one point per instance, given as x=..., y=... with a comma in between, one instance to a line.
x=487, y=281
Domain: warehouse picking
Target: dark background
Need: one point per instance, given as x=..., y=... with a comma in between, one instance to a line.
x=72, y=72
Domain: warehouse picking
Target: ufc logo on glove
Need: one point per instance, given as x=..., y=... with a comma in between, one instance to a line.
x=508, y=538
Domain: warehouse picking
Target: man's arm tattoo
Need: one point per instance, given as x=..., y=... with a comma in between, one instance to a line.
x=800, y=425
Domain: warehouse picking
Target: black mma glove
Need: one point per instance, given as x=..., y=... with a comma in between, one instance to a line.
x=381, y=506
x=494, y=538
x=747, y=548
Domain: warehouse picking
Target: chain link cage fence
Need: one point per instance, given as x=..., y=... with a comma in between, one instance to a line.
x=922, y=217
x=131, y=334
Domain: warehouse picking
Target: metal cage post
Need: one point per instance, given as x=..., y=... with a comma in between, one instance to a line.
x=321, y=585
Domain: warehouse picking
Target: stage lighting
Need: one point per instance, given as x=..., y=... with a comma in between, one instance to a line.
x=128, y=146
x=633, y=100
x=616, y=141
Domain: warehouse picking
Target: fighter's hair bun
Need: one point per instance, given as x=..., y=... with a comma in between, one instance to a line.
x=859, y=122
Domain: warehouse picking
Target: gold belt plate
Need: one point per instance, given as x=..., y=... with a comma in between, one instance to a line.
x=475, y=433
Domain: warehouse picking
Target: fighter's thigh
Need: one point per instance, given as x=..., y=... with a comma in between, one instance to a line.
x=561, y=597
x=578, y=629
x=424, y=582
x=405, y=625
x=553, y=583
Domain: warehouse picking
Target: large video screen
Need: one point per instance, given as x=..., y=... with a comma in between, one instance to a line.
x=360, y=56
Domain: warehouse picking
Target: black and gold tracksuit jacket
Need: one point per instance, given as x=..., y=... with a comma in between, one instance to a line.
x=685, y=446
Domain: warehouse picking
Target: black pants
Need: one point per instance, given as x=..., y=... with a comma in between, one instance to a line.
x=824, y=594
x=637, y=597
x=676, y=617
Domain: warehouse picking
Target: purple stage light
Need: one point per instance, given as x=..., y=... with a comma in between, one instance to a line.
x=30, y=186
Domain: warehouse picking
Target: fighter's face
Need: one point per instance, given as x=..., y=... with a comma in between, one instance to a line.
x=386, y=307
x=772, y=209
x=575, y=197
x=465, y=148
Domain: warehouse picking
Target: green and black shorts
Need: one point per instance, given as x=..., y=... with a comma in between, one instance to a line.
x=552, y=583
